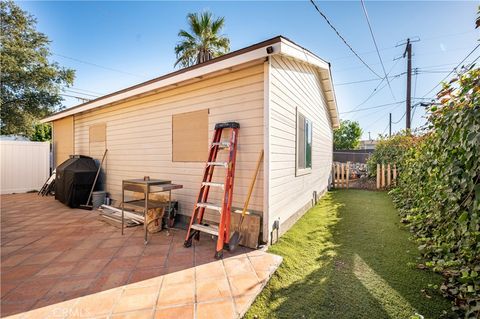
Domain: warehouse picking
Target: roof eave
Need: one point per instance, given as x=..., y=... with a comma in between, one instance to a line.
x=232, y=59
x=279, y=44
x=291, y=49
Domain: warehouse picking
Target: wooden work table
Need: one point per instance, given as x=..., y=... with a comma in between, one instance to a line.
x=146, y=187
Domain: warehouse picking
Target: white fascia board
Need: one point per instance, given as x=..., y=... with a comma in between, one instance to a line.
x=291, y=49
x=333, y=104
x=198, y=72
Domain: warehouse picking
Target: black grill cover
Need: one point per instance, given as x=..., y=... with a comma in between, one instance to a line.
x=74, y=180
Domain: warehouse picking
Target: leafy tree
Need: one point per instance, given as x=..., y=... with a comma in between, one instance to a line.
x=30, y=83
x=43, y=132
x=203, y=42
x=347, y=136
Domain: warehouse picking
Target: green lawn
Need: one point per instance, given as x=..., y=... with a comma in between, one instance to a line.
x=349, y=257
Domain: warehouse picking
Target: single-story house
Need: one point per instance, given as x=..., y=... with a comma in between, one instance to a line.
x=281, y=94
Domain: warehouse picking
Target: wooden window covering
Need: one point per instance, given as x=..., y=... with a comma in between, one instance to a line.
x=97, y=133
x=190, y=136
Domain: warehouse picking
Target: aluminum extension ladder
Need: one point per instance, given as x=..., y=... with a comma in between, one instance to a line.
x=222, y=231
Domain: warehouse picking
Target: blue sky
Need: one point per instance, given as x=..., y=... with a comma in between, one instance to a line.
x=112, y=45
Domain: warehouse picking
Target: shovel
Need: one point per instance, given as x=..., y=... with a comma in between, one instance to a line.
x=237, y=236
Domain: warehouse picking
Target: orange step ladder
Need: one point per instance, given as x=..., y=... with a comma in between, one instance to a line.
x=197, y=225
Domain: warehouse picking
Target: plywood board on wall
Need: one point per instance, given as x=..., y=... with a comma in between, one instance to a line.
x=190, y=136
x=250, y=230
x=97, y=133
x=63, y=145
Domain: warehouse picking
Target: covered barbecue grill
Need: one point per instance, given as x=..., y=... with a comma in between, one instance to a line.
x=74, y=180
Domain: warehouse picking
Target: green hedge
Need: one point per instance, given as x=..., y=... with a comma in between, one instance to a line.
x=438, y=191
x=390, y=150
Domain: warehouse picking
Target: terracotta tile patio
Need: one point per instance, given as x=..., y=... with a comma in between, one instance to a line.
x=58, y=262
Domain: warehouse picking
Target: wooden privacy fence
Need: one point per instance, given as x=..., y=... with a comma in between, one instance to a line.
x=386, y=175
x=340, y=175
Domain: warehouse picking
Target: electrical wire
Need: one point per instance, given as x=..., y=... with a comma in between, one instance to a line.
x=379, y=118
x=99, y=66
x=471, y=63
x=453, y=70
x=343, y=39
x=77, y=92
x=376, y=48
x=386, y=128
x=415, y=72
x=420, y=71
x=368, y=80
x=372, y=107
x=85, y=90
x=437, y=65
x=400, y=118
x=432, y=72
x=355, y=82
x=414, y=93
x=76, y=97
x=376, y=89
x=393, y=47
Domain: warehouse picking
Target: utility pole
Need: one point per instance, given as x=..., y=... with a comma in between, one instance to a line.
x=390, y=125
x=369, y=136
x=408, y=53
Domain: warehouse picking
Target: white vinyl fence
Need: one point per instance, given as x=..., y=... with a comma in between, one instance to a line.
x=24, y=166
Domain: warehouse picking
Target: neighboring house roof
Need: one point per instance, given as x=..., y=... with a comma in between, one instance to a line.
x=279, y=44
x=368, y=144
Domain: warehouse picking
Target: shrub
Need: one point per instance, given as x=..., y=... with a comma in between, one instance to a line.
x=390, y=150
x=438, y=191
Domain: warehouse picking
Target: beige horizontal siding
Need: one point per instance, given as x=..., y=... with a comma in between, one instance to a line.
x=139, y=137
x=63, y=139
x=294, y=84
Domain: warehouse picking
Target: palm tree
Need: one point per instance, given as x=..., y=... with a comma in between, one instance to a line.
x=203, y=42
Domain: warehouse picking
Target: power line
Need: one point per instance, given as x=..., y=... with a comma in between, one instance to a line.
x=355, y=82
x=418, y=71
x=376, y=89
x=453, y=70
x=379, y=118
x=376, y=48
x=437, y=65
x=414, y=93
x=85, y=90
x=393, y=47
x=76, y=97
x=371, y=107
x=386, y=128
x=432, y=72
x=471, y=63
x=77, y=92
x=99, y=66
x=404, y=113
x=415, y=84
x=343, y=39
x=413, y=113
x=367, y=80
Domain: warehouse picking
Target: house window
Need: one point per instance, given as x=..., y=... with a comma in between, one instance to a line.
x=304, y=145
x=190, y=136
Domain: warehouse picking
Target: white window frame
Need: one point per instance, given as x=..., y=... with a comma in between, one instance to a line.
x=299, y=171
